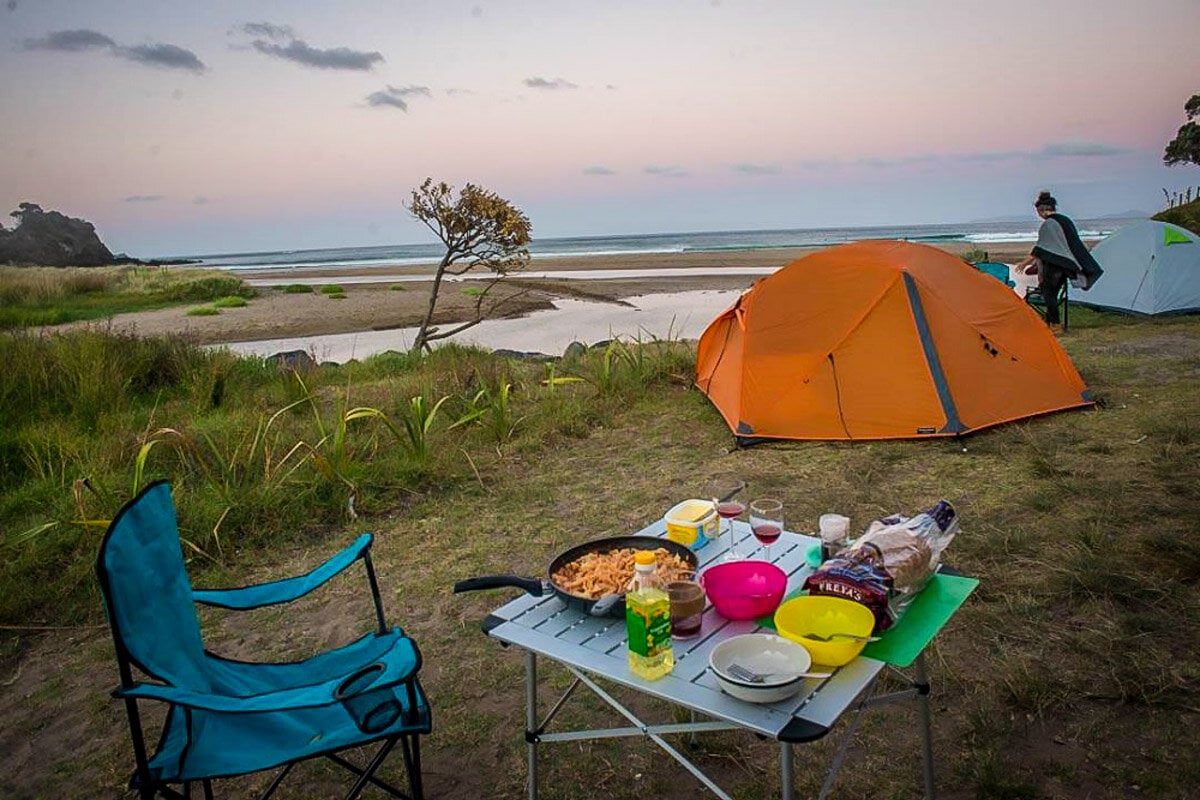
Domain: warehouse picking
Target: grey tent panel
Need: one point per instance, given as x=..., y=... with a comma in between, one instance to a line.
x=1145, y=274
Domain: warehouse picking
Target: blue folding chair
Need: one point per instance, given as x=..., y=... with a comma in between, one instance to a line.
x=227, y=717
x=997, y=271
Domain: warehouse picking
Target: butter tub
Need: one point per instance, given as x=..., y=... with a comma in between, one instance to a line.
x=692, y=523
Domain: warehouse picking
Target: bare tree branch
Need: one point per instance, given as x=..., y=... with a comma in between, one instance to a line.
x=480, y=315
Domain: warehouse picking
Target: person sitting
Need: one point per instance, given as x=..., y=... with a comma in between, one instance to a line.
x=1058, y=256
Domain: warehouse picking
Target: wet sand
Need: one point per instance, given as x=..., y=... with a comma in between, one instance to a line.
x=382, y=305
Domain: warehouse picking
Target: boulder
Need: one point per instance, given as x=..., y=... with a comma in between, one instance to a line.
x=299, y=360
x=521, y=355
x=51, y=239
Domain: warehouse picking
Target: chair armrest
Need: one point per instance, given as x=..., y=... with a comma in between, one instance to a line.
x=287, y=589
x=399, y=665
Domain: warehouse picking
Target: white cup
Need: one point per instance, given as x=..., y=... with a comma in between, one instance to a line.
x=834, y=533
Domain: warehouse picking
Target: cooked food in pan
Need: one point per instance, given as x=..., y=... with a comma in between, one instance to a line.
x=594, y=575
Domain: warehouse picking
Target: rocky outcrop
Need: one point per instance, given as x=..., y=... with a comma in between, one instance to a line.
x=50, y=239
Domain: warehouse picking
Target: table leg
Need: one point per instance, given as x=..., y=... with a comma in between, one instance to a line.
x=926, y=724
x=531, y=721
x=787, y=777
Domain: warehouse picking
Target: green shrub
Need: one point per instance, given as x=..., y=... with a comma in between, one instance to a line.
x=296, y=288
x=208, y=289
x=332, y=288
x=396, y=287
x=231, y=301
x=203, y=311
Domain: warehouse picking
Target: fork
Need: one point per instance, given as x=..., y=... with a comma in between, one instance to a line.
x=741, y=673
x=816, y=637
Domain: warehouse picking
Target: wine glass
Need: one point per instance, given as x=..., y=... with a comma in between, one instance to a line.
x=766, y=522
x=724, y=492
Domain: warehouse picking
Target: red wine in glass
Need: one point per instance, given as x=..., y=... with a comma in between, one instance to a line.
x=766, y=533
x=766, y=522
x=730, y=509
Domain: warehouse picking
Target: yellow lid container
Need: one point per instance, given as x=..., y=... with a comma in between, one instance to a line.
x=692, y=523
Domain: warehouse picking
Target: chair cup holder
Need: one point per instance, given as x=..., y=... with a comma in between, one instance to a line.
x=372, y=709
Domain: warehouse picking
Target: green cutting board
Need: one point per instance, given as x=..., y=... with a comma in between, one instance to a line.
x=930, y=610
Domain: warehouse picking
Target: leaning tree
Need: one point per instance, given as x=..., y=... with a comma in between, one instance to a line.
x=482, y=232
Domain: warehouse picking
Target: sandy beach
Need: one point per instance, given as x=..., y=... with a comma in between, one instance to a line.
x=381, y=304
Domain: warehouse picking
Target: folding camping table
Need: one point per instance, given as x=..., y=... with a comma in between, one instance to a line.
x=594, y=647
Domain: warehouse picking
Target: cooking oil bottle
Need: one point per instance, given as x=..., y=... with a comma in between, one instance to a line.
x=648, y=620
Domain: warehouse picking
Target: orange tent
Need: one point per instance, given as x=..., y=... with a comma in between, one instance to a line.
x=881, y=340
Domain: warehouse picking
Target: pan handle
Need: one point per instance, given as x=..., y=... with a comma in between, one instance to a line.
x=606, y=604
x=533, y=586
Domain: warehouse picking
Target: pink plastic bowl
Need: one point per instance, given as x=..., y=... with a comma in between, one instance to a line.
x=744, y=589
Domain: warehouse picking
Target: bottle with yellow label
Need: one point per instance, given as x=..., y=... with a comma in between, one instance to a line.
x=648, y=620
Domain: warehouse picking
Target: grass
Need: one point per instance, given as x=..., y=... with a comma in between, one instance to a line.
x=1073, y=671
x=296, y=288
x=35, y=296
x=332, y=288
x=1185, y=215
x=203, y=311
x=231, y=301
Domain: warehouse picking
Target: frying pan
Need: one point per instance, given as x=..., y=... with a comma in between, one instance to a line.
x=611, y=605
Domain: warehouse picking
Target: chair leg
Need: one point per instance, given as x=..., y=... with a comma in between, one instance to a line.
x=374, y=779
x=366, y=776
x=412, y=763
x=274, y=783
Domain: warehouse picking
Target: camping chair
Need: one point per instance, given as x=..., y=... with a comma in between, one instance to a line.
x=1033, y=296
x=997, y=271
x=227, y=717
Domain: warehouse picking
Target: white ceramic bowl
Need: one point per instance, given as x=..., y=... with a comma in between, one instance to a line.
x=765, y=654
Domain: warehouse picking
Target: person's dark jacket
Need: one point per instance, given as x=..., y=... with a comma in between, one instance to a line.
x=1059, y=246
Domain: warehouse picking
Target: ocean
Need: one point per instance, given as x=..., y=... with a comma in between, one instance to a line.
x=980, y=234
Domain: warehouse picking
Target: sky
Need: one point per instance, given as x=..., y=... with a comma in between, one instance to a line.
x=182, y=128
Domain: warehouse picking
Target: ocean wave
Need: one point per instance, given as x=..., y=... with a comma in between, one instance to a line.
x=269, y=266
x=938, y=237
x=622, y=252
x=1003, y=236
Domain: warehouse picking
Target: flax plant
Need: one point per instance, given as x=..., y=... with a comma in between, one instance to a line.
x=491, y=408
x=331, y=452
x=413, y=429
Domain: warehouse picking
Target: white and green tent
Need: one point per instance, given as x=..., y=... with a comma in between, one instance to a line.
x=1149, y=268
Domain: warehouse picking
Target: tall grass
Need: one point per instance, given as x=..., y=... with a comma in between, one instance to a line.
x=255, y=454
x=623, y=366
x=33, y=296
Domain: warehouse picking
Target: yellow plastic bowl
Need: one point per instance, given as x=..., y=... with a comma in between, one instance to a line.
x=825, y=615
